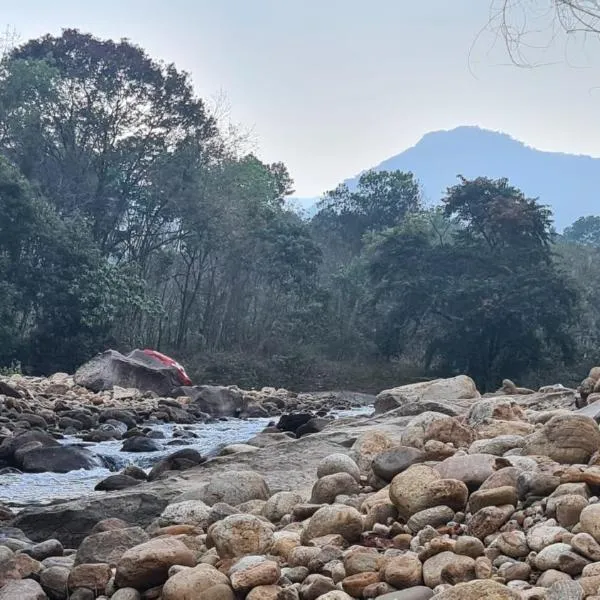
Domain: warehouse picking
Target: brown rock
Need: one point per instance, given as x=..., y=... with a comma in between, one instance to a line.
x=403, y=571
x=148, y=564
x=478, y=590
x=567, y=439
x=252, y=571
x=497, y=496
x=92, y=576
x=355, y=584
x=339, y=519
x=240, y=535
x=108, y=546
x=194, y=583
x=488, y=520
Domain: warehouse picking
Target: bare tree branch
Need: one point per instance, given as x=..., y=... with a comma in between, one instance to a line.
x=536, y=24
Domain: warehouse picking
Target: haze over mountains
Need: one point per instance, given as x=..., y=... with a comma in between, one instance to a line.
x=568, y=183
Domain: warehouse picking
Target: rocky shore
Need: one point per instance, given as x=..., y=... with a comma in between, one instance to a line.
x=442, y=493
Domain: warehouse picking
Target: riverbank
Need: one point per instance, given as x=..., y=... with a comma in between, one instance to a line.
x=472, y=497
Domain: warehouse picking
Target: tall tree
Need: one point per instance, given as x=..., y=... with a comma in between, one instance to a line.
x=494, y=299
x=94, y=122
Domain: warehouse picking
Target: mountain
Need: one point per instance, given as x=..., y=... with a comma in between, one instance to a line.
x=568, y=183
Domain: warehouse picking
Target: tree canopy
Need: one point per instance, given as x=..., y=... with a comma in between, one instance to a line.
x=129, y=218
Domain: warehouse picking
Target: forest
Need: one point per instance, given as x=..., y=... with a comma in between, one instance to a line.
x=130, y=217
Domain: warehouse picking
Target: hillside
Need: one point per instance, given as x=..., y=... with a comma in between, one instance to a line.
x=567, y=183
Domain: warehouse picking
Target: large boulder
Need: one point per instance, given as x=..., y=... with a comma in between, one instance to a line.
x=58, y=459
x=234, y=488
x=108, y=546
x=459, y=388
x=71, y=522
x=136, y=370
x=148, y=564
x=567, y=439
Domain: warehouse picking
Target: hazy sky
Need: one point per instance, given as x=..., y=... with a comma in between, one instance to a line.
x=331, y=87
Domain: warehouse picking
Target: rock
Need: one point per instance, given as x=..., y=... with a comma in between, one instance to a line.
x=565, y=590
x=587, y=546
x=421, y=487
x=315, y=425
x=418, y=592
x=493, y=497
x=452, y=389
x=560, y=557
x=512, y=543
x=59, y=459
x=109, y=546
x=116, y=482
x=433, y=567
x=140, y=443
x=217, y=400
x=327, y=488
x=568, y=509
x=388, y=464
x=148, y=564
x=181, y=460
x=194, y=583
x=291, y=422
x=590, y=521
x=336, y=519
x=450, y=430
x=25, y=589
x=543, y=535
x=471, y=469
x=188, y=512
x=54, y=582
x=126, y=594
x=252, y=571
x=498, y=445
x=566, y=439
x=434, y=517
x=92, y=576
x=488, y=520
x=338, y=463
x=316, y=586
x=354, y=585
x=403, y=571
x=477, y=590
x=280, y=504
x=240, y=535
x=46, y=549
x=235, y=487
x=135, y=370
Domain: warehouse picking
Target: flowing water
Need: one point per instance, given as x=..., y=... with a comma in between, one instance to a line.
x=18, y=490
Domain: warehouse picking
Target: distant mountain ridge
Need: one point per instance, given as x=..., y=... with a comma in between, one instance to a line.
x=569, y=184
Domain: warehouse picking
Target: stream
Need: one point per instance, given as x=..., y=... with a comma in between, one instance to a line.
x=19, y=490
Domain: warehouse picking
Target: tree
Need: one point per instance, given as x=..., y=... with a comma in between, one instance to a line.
x=381, y=199
x=59, y=299
x=95, y=123
x=493, y=300
x=585, y=231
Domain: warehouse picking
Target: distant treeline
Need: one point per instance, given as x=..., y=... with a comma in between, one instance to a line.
x=129, y=217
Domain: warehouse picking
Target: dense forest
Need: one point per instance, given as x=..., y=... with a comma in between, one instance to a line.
x=129, y=217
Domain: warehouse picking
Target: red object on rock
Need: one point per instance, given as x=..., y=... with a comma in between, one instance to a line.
x=167, y=360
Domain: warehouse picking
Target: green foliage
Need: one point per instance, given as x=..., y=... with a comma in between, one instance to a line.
x=128, y=219
x=585, y=231
x=494, y=302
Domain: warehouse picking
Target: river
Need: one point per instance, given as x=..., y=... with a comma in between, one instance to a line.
x=18, y=490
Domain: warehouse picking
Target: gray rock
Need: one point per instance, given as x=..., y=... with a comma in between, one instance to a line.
x=388, y=464
x=135, y=370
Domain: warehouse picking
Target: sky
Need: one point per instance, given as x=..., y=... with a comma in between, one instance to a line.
x=333, y=87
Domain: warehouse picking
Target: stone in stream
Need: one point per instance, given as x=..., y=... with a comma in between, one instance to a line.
x=59, y=459
x=140, y=443
x=116, y=482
